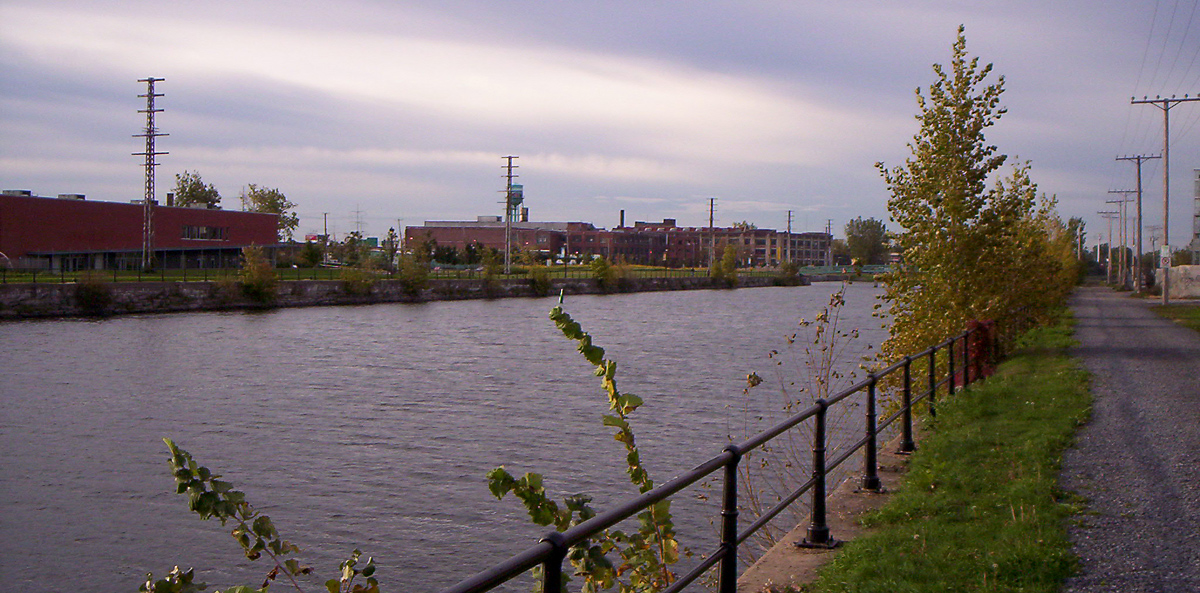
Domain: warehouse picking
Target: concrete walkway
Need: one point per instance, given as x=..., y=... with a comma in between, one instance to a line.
x=1138, y=461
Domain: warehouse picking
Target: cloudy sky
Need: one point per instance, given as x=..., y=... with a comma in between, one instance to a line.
x=380, y=111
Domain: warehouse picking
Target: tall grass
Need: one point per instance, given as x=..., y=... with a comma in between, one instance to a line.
x=980, y=509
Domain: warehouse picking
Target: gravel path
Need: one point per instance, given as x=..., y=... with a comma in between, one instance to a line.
x=1138, y=461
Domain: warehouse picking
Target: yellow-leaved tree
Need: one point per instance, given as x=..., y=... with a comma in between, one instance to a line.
x=969, y=252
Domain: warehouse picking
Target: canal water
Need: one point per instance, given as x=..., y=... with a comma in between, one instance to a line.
x=369, y=427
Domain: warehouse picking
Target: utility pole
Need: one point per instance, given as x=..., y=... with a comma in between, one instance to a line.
x=1122, y=235
x=788, y=253
x=358, y=223
x=325, y=238
x=829, y=245
x=509, y=207
x=1153, y=237
x=712, y=232
x=1165, y=105
x=150, y=133
x=1138, y=160
x=1108, y=215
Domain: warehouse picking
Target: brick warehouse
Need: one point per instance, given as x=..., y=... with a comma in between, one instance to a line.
x=654, y=243
x=71, y=233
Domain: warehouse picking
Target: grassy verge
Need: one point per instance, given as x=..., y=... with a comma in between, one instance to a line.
x=980, y=509
x=1185, y=315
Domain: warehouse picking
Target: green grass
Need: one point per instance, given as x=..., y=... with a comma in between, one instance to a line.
x=1185, y=315
x=980, y=510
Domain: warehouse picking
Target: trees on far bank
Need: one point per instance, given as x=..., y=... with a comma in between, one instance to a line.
x=867, y=241
x=272, y=201
x=190, y=190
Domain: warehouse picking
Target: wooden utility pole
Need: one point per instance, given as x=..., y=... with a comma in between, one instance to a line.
x=1165, y=105
x=1138, y=160
x=1108, y=215
x=829, y=243
x=788, y=256
x=1122, y=235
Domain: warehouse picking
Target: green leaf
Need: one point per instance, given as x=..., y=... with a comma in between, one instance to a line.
x=533, y=481
x=263, y=527
x=332, y=585
x=500, y=482
x=631, y=402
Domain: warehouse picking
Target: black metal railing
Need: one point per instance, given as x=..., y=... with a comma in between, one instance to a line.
x=976, y=348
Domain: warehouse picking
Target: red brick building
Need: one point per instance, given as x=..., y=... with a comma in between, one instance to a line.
x=72, y=233
x=657, y=243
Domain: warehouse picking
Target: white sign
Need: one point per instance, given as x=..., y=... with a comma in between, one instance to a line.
x=1164, y=256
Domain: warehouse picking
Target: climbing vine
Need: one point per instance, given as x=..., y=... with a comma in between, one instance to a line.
x=213, y=498
x=643, y=557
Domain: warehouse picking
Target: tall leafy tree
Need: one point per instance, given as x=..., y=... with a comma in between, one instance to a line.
x=190, y=190
x=391, y=245
x=272, y=201
x=969, y=252
x=867, y=240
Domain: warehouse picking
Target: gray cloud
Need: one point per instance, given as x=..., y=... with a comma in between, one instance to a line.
x=402, y=110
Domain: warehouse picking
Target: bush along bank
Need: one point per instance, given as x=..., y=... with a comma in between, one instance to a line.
x=96, y=297
x=980, y=509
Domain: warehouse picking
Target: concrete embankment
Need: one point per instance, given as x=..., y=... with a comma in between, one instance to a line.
x=19, y=301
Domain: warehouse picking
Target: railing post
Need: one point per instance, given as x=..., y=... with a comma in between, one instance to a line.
x=906, y=444
x=966, y=358
x=552, y=569
x=870, y=480
x=933, y=381
x=950, y=353
x=993, y=344
x=729, y=523
x=818, y=529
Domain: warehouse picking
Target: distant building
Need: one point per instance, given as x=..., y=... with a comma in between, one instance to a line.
x=72, y=233
x=650, y=243
x=1194, y=246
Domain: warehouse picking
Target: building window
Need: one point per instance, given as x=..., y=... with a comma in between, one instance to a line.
x=205, y=233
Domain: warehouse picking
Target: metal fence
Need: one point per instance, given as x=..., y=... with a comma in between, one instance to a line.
x=964, y=358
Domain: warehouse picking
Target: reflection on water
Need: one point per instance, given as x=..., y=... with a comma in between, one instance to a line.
x=366, y=427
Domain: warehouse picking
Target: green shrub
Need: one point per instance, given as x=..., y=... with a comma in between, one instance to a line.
x=413, y=274
x=789, y=275
x=258, y=279
x=93, y=295
x=358, y=281
x=539, y=280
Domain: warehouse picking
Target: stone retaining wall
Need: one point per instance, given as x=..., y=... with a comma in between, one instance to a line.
x=112, y=298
